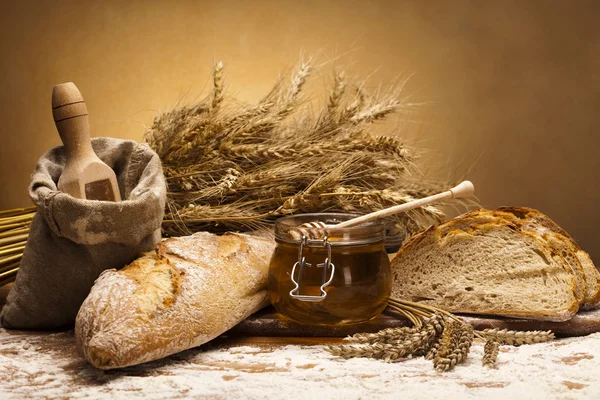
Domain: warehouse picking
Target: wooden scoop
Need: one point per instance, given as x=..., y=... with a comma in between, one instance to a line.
x=85, y=176
x=317, y=230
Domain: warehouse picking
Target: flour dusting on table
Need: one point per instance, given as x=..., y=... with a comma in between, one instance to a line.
x=46, y=365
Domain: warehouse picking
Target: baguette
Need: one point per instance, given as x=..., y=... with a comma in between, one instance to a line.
x=486, y=266
x=189, y=291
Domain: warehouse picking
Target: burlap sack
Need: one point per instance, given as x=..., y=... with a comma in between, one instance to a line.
x=72, y=241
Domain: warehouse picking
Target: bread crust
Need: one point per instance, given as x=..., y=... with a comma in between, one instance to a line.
x=553, y=240
x=530, y=216
x=471, y=223
x=186, y=293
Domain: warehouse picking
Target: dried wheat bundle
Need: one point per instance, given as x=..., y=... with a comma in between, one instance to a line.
x=410, y=344
x=437, y=335
x=14, y=230
x=237, y=167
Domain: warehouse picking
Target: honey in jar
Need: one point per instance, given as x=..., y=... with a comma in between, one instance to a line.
x=341, y=278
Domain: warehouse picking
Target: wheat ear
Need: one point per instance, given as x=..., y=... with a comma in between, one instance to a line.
x=455, y=344
x=490, y=353
x=339, y=88
x=517, y=338
x=217, y=94
x=394, y=350
x=386, y=335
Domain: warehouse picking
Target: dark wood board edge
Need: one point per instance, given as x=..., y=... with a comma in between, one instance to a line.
x=268, y=323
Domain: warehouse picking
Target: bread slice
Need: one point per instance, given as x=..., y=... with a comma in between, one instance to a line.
x=485, y=268
x=537, y=220
x=592, y=279
x=553, y=240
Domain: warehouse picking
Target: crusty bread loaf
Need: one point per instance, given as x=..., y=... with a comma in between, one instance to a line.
x=485, y=267
x=555, y=241
x=189, y=291
x=535, y=222
x=538, y=220
x=592, y=279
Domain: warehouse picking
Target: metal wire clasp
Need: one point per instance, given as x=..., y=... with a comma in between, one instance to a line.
x=302, y=263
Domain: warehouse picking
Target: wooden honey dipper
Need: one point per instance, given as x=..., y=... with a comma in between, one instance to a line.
x=317, y=229
x=85, y=176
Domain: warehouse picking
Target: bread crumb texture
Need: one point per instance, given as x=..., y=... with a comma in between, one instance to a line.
x=486, y=262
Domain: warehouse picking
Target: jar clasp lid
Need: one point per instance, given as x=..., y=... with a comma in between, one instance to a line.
x=294, y=293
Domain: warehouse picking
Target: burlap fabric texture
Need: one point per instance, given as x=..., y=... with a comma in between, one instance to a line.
x=72, y=241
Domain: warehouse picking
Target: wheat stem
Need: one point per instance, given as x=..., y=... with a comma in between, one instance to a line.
x=12, y=227
x=11, y=266
x=17, y=211
x=13, y=245
x=14, y=232
x=9, y=251
x=10, y=259
x=8, y=273
x=16, y=219
x=414, y=319
x=13, y=239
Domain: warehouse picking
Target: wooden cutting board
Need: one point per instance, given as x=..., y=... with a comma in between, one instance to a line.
x=268, y=322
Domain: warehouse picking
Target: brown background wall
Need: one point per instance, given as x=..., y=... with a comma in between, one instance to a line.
x=513, y=88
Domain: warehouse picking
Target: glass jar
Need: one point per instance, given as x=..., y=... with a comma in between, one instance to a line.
x=342, y=278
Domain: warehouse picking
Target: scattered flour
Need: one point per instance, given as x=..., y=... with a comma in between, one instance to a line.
x=42, y=365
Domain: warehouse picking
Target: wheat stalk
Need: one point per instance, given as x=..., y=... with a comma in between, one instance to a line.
x=517, y=338
x=14, y=231
x=375, y=112
x=393, y=350
x=490, y=353
x=443, y=338
x=385, y=336
x=446, y=345
x=286, y=158
x=290, y=97
x=455, y=344
x=338, y=91
x=217, y=94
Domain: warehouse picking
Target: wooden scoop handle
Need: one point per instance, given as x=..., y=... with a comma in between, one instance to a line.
x=84, y=175
x=462, y=190
x=71, y=119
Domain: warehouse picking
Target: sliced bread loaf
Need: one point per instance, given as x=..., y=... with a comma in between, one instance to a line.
x=485, y=268
x=536, y=220
x=556, y=242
